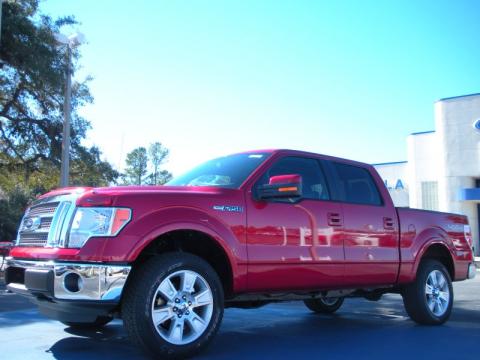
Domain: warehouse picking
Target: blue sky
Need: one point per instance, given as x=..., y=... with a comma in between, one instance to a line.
x=206, y=78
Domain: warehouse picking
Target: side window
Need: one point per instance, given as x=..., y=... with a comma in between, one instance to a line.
x=313, y=180
x=356, y=185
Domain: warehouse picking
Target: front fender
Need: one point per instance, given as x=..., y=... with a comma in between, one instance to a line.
x=227, y=230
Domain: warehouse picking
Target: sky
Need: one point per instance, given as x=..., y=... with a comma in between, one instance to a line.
x=208, y=78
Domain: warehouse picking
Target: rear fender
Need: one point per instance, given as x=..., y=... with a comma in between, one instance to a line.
x=412, y=257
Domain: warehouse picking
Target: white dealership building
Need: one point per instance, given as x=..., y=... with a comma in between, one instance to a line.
x=442, y=171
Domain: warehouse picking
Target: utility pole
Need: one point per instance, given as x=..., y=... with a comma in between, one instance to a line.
x=1, y=1
x=70, y=42
x=65, y=166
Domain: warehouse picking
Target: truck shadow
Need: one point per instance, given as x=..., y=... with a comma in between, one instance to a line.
x=377, y=330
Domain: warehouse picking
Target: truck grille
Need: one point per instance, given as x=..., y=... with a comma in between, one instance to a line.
x=36, y=225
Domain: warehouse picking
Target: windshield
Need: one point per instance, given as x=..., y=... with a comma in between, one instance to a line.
x=229, y=171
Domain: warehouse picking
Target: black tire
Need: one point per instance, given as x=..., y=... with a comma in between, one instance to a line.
x=99, y=323
x=416, y=300
x=139, y=296
x=324, y=307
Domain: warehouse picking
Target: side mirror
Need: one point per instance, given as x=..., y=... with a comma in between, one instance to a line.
x=281, y=186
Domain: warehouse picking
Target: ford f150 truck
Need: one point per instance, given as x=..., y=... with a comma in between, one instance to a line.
x=238, y=231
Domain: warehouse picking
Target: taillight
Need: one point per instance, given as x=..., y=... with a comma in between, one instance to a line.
x=467, y=232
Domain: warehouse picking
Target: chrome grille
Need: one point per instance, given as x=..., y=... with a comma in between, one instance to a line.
x=33, y=239
x=36, y=225
x=46, y=223
x=43, y=209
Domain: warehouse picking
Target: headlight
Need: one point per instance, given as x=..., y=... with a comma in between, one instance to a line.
x=96, y=221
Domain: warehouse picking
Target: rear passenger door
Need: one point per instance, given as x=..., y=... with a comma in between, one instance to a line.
x=370, y=234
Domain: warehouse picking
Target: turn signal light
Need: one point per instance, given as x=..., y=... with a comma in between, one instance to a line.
x=284, y=189
x=122, y=216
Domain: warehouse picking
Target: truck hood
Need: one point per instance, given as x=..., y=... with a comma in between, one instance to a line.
x=103, y=196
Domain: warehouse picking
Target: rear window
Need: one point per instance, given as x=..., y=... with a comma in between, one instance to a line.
x=355, y=185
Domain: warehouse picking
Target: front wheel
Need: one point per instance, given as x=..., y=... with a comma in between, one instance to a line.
x=173, y=305
x=324, y=305
x=429, y=299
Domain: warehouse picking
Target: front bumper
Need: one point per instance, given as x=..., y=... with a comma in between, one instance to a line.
x=76, y=292
x=66, y=281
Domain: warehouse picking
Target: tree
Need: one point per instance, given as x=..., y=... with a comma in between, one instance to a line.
x=87, y=169
x=157, y=155
x=11, y=210
x=163, y=176
x=32, y=82
x=136, y=166
x=31, y=88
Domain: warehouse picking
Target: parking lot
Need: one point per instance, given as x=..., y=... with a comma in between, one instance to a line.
x=361, y=329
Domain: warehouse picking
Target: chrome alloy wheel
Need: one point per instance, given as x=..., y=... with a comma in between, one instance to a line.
x=329, y=301
x=437, y=293
x=182, y=307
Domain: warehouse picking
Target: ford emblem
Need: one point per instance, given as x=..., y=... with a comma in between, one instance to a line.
x=476, y=124
x=31, y=224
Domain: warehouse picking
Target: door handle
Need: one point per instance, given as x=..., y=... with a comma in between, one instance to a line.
x=334, y=219
x=388, y=223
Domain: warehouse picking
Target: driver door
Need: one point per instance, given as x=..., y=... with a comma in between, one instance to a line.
x=295, y=243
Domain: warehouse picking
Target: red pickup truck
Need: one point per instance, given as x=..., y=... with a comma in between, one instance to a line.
x=238, y=231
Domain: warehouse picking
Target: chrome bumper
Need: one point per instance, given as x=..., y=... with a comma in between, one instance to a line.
x=67, y=281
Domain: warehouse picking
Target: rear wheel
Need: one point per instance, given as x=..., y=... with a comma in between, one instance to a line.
x=429, y=299
x=173, y=305
x=324, y=305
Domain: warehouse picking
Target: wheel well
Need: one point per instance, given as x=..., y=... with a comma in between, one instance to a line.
x=197, y=243
x=440, y=253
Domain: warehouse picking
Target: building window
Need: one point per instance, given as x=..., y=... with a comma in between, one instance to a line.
x=430, y=195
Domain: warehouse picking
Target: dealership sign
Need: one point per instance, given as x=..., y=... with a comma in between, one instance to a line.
x=398, y=185
x=476, y=124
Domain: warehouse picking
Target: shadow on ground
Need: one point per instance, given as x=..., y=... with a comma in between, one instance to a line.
x=377, y=330
x=361, y=329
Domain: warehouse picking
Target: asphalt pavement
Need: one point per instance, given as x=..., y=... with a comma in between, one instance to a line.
x=360, y=329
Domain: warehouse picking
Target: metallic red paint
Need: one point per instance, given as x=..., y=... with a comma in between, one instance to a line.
x=273, y=246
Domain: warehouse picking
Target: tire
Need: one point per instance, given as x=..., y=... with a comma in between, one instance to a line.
x=429, y=300
x=183, y=295
x=99, y=323
x=324, y=305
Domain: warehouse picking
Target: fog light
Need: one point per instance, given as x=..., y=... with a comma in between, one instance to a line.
x=73, y=282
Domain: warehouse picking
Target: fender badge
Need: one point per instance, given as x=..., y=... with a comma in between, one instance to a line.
x=228, y=208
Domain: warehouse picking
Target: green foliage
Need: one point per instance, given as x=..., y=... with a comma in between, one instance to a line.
x=162, y=177
x=12, y=208
x=136, y=166
x=87, y=169
x=157, y=155
x=32, y=81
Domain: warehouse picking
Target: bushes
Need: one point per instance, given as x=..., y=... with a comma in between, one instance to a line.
x=12, y=207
